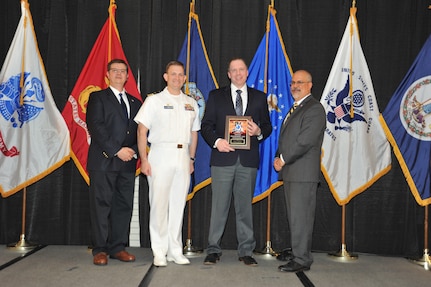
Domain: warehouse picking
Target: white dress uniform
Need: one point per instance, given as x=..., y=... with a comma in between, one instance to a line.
x=170, y=120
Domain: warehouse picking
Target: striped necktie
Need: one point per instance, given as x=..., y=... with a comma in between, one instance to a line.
x=295, y=105
x=238, y=103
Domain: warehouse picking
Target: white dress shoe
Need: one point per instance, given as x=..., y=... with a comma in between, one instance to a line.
x=179, y=259
x=160, y=261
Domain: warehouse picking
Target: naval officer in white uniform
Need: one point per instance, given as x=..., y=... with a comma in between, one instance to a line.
x=170, y=122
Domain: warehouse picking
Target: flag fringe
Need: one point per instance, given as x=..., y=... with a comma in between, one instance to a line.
x=403, y=165
x=357, y=191
x=34, y=179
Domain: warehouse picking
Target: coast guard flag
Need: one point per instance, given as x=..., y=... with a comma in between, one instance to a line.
x=356, y=152
x=200, y=81
x=93, y=78
x=408, y=127
x=271, y=73
x=34, y=139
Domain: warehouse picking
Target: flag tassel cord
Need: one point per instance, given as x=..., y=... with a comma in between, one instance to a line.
x=21, y=81
x=353, y=16
x=112, y=7
x=189, y=25
x=343, y=255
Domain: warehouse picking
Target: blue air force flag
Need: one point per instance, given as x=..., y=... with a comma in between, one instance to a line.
x=273, y=79
x=408, y=126
x=200, y=81
x=34, y=139
x=356, y=152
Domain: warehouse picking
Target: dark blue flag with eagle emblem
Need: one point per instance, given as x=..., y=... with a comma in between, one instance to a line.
x=271, y=73
x=200, y=81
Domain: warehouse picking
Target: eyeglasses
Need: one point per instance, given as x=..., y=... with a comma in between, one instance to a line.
x=121, y=71
x=298, y=83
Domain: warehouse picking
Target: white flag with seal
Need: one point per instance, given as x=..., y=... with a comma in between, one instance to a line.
x=34, y=139
x=356, y=152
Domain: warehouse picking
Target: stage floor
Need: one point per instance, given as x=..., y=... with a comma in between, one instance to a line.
x=72, y=266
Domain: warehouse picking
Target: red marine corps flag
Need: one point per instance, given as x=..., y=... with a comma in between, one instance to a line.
x=93, y=78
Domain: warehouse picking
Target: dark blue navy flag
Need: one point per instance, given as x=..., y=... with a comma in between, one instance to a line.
x=271, y=73
x=408, y=126
x=200, y=81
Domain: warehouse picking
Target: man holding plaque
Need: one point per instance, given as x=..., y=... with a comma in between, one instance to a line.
x=236, y=119
x=298, y=161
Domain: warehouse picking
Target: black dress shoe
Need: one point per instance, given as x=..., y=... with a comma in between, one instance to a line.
x=293, y=266
x=212, y=258
x=248, y=260
x=285, y=255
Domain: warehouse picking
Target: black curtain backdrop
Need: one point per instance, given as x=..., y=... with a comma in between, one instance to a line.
x=385, y=219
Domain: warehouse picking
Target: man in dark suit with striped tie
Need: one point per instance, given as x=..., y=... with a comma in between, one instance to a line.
x=298, y=161
x=233, y=171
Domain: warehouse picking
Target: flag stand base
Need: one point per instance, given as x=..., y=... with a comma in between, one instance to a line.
x=22, y=245
x=190, y=250
x=424, y=260
x=343, y=255
x=267, y=250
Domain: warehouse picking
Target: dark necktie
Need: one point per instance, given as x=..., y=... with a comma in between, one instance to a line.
x=238, y=103
x=123, y=105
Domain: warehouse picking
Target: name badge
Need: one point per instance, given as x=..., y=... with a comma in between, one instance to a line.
x=168, y=107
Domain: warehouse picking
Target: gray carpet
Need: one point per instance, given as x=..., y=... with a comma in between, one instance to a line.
x=72, y=266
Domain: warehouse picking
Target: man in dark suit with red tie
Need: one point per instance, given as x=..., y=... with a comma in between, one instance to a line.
x=233, y=171
x=111, y=165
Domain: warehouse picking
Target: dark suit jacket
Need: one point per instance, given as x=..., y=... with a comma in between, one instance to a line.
x=110, y=131
x=218, y=106
x=300, y=142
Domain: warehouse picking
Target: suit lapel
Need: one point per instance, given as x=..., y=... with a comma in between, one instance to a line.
x=295, y=113
x=228, y=98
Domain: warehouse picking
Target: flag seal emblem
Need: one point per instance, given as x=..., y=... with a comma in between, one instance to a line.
x=339, y=105
x=10, y=99
x=415, y=109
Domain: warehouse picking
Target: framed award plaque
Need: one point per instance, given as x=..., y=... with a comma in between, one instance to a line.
x=236, y=132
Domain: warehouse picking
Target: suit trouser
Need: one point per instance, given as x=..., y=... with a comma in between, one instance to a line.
x=169, y=185
x=300, y=208
x=238, y=181
x=111, y=207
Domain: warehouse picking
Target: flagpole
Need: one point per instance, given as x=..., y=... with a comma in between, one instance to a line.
x=267, y=250
x=425, y=259
x=343, y=255
x=189, y=249
x=22, y=244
